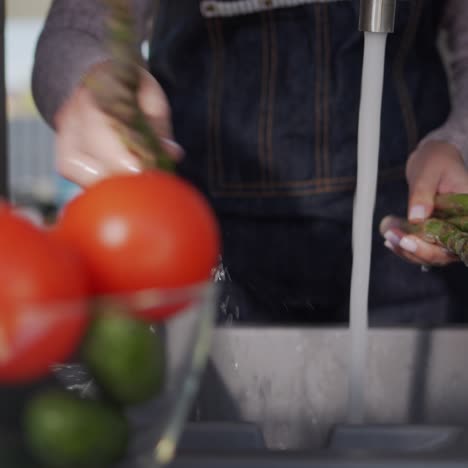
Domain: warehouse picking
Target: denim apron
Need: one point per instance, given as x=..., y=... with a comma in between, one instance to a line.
x=265, y=101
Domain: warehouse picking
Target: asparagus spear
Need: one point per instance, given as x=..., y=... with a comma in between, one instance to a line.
x=451, y=205
x=443, y=233
x=461, y=222
x=116, y=88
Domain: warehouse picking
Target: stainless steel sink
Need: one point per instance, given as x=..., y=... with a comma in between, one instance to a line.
x=292, y=382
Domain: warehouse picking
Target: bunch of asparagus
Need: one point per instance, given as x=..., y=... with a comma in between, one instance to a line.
x=115, y=88
x=448, y=227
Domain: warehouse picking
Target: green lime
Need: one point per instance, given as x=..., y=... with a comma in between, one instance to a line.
x=65, y=431
x=125, y=357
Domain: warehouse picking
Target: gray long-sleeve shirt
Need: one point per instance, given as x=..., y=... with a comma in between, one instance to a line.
x=72, y=42
x=73, y=37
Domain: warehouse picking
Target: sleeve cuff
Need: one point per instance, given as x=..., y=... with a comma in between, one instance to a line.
x=62, y=59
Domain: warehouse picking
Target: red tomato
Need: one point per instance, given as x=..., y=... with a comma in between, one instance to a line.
x=43, y=312
x=144, y=231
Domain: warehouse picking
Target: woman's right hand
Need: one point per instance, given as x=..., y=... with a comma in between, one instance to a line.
x=87, y=147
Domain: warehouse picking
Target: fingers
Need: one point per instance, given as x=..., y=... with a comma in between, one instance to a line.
x=415, y=250
x=435, y=167
x=90, y=148
x=457, y=183
x=81, y=169
x=155, y=106
x=105, y=145
x=423, y=187
x=172, y=148
x=87, y=148
x=411, y=247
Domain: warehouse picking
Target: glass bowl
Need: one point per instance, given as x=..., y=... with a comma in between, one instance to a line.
x=156, y=425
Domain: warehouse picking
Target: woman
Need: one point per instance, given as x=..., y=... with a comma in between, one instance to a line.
x=264, y=96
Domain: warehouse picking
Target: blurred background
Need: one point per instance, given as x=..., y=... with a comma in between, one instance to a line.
x=32, y=179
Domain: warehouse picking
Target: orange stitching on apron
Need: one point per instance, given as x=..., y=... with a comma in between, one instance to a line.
x=217, y=122
x=271, y=91
x=211, y=100
x=318, y=72
x=214, y=103
x=263, y=99
x=312, y=182
x=301, y=187
x=156, y=9
x=392, y=175
x=398, y=75
x=326, y=91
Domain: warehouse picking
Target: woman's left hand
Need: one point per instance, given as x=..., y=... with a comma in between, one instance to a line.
x=435, y=167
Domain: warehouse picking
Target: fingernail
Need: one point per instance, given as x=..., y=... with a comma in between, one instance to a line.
x=417, y=212
x=172, y=144
x=389, y=245
x=391, y=237
x=408, y=244
x=90, y=170
x=131, y=166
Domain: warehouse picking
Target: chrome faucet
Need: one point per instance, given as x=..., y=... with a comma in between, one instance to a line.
x=377, y=16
